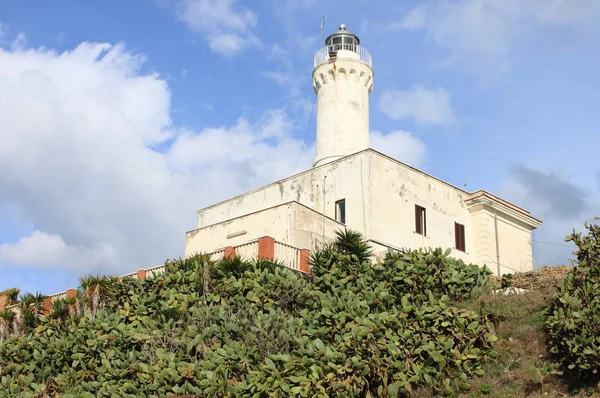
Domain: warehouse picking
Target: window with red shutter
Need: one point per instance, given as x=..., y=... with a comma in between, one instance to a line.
x=420, y=220
x=340, y=211
x=459, y=237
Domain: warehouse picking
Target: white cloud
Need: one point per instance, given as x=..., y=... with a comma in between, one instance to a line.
x=580, y=13
x=562, y=205
x=297, y=45
x=414, y=19
x=226, y=24
x=400, y=145
x=20, y=41
x=77, y=132
x=49, y=250
x=479, y=34
x=423, y=105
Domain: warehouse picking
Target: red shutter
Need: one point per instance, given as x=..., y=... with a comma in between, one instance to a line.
x=417, y=220
x=459, y=237
x=456, y=236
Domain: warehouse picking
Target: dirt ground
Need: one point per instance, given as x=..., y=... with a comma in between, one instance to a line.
x=544, y=278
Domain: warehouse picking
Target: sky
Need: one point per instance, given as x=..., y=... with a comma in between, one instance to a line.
x=120, y=119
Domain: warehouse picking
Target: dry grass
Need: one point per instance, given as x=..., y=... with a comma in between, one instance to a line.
x=523, y=366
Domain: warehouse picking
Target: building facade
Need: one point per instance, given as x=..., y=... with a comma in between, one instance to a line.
x=355, y=187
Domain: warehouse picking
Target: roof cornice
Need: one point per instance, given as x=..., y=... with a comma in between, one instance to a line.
x=489, y=202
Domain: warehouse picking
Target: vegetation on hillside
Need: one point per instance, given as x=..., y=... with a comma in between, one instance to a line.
x=417, y=323
x=573, y=315
x=238, y=328
x=11, y=294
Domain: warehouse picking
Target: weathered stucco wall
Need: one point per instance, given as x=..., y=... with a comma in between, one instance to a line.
x=515, y=246
x=503, y=237
x=312, y=228
x=274, y=222
x=290, y=223
x=380, y=195
x=396, y=189
x=484, y=238
x=317, y=189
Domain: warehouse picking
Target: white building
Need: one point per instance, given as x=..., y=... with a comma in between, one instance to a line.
x=352, y=186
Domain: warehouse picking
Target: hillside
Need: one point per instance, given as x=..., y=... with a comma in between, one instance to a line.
x=419, y=323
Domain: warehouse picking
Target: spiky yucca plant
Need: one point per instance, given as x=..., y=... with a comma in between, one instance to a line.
x=352, y=243
x=349, y=249
x=71, y=305
x=234, y=266
x=96, y=290
x=270, y=265
x=59, y=312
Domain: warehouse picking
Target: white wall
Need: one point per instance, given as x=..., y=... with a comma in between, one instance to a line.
x=275, y=222
x=380, y=195
x=396, y=189
x=318, y=189
x=290, y=223
x=312, y=228
x=503, y=235
x=515, y=246
x=484, y=238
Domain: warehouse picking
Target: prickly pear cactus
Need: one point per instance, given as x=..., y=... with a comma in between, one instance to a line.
x=239, y=328
x=573, y=315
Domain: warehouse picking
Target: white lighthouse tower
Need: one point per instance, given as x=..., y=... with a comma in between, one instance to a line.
x=342, y=80
x=354, y=187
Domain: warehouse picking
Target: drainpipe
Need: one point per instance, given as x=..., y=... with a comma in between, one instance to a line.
x=362, y=188
x=497, y=243
x=323, y=213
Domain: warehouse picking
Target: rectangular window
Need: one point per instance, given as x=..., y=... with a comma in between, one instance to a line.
x=420, y=220
x=340, y=211
x=459, y=237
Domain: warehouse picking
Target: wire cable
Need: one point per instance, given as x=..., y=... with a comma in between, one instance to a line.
x=553, y=244
x=305, y=133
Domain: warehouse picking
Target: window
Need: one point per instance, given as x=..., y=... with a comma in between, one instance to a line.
x=420, y=220
x=459, y=237
x=340, y=211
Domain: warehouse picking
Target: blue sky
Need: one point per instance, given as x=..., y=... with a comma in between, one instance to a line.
x=120, y=119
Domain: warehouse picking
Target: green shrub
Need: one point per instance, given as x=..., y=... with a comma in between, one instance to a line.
x=573, y=315
x=239, y=328
x=12, y=294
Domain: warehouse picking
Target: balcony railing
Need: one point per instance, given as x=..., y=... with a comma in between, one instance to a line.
x=322, y=54
x=289, y=255
x=247, y=251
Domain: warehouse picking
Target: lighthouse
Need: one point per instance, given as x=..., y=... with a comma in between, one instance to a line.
x=342, y=80
x=354, y=187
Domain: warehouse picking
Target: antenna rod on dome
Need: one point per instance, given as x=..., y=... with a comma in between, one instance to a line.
x=323, y=19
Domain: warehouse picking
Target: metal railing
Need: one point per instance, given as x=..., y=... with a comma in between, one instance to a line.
x=322, y=54
x=289, y=255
